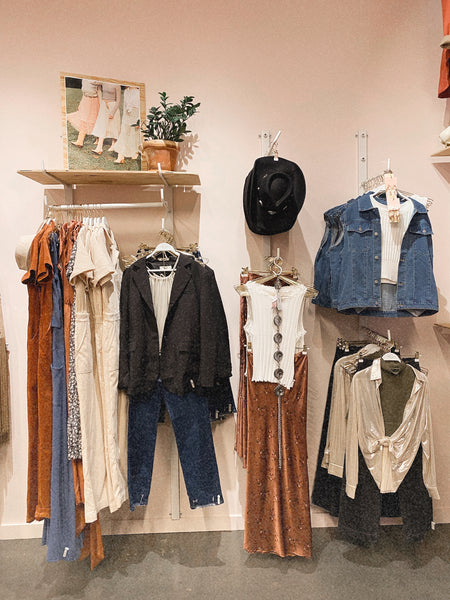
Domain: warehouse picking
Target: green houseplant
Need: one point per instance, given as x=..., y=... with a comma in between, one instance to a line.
x=163, y=129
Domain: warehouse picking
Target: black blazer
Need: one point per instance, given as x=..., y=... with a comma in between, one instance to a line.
x=195, y=352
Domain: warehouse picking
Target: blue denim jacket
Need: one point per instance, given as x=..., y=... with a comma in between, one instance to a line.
x=354, y=281
x=328, y=259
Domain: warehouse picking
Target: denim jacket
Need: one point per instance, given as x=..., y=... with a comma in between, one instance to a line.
x=322, y=263
x=354, y=259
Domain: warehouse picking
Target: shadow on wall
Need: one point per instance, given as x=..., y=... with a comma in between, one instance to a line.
x=187, y=149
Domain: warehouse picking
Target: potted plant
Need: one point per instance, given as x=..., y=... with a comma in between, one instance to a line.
x=164, y=128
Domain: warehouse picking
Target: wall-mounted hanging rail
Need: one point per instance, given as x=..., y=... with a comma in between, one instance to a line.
x=164, y=180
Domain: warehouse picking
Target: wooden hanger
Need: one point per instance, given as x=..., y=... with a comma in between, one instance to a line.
x=276, y=272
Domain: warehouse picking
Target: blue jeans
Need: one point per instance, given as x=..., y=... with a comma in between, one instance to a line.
x=190, y=420
x=59, y=531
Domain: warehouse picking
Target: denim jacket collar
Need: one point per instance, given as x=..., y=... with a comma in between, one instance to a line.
x=365, y=204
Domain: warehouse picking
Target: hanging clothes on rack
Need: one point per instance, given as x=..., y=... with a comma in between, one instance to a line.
x=338, y=475
x=60, y=530
x=389, y=449
x=93, y=545
x=173, y=347
x=54, y=481
x=241, y=419
x=370, y=266
x=271, y=435
x=327, y=480
x=96, y=278
x=38, y=279
x=221, y=403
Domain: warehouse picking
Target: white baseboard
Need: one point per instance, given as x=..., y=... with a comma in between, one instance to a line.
x=167, y=525
x=20, y=531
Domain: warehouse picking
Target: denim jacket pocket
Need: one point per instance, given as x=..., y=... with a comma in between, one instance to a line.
x=360, y=236
x=357, y=272
x=420, y=232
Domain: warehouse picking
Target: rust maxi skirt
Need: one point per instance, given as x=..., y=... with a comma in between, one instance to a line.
x=277, y=511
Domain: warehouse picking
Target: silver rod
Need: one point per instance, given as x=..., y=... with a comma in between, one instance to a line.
x=105, y=206
x=269, y=152
x=161, y=175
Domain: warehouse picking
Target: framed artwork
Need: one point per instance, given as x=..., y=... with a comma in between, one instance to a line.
x=101, y=122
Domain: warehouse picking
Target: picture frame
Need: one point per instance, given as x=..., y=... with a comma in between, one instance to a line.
x=101, y=120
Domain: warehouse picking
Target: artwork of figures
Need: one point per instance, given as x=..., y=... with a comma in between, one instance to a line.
x=101, y=123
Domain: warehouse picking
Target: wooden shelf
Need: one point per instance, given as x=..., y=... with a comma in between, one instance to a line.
x=111, y=177
x=444, y=152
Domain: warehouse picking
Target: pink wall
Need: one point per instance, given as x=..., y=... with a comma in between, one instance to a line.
x=319, y=71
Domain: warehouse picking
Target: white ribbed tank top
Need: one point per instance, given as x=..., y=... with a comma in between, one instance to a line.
x=391, y=238
x=260, y=329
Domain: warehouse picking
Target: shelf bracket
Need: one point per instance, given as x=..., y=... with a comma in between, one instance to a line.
x=362, y=158
x=266, y=146
x=167, y=200
x=68, y=188
x=69, y=195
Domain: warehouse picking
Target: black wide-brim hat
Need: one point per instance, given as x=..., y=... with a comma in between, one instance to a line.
x=274, y=193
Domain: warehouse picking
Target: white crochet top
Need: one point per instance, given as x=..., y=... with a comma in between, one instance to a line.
x=260, y=329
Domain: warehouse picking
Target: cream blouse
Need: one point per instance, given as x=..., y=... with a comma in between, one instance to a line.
x=388, y=458
x=161, y=288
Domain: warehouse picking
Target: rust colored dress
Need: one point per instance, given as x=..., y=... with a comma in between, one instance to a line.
x=39, y=377
x=277, y=511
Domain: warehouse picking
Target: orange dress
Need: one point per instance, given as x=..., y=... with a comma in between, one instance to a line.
x=39, y=377
x=277, y=511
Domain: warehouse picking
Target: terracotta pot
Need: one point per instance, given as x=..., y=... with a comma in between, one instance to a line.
x=164, y=152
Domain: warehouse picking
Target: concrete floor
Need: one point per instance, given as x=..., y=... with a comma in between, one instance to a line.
x=214, y=566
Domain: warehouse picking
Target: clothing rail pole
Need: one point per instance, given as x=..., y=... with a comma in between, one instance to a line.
x=362, y=176
x=110, y=206
x=266, y=147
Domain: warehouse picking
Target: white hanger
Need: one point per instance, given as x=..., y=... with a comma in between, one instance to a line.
x=164, y=247
x=391, y=356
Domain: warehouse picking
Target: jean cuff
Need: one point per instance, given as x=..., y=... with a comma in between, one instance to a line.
x=206, y=500
x=142, y=502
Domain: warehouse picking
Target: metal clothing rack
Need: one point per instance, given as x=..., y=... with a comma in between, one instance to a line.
x=165, y=181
